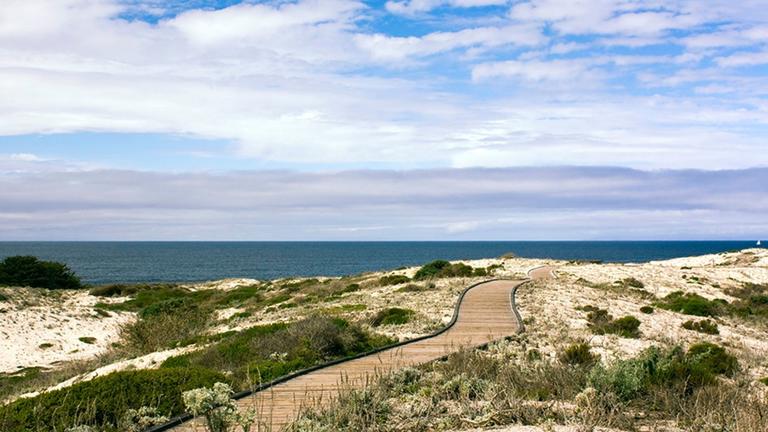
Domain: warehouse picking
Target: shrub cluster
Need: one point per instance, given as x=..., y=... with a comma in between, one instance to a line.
x=636, y=377
x=393, y=280
x=753, y=301
x=692, y=304
x=103, y=401
x=704, y=326
x=392, y=316
x=28, y=271
x=601, y=322
x=578, y=354
x=646, y=309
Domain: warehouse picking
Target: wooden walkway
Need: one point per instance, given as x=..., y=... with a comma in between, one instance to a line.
x=485, y=314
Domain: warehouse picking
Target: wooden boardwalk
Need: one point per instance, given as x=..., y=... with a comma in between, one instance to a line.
x=485, y=314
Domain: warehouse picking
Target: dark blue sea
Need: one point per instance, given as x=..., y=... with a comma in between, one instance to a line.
x=109, y=262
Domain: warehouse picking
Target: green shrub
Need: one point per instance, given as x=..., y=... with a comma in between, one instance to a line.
x=32, y=272
x=764, y=380
x=708, y=359
x=392, y=316
x=578, y=354
x=753, y=301
x=480, y=271
x=646, y=309
x=627, y=327
x=242, y=294
x=431, y=270
x=102, y=401
x=443, y=269
x=3, y=297
x=393, y=280
x=692, y=304
x=626, y=379
x=705, y=326
x=87, y=339
x=45, y=345
x=601, y=322
x=655, y=368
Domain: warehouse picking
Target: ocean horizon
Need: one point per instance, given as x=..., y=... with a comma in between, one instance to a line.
x=103, y=262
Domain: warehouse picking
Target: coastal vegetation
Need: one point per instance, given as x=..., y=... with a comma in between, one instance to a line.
x=601, y=322
x=392, y=316
x=29, y=271
x=483, y=388
x=103, y=401
x=692, y=304
x=703, y=326
x=572, y=366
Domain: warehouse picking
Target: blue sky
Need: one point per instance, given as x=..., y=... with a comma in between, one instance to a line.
x=94, y=90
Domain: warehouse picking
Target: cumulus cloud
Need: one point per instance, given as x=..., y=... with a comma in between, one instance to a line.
x=557, y=202
x=302, y=82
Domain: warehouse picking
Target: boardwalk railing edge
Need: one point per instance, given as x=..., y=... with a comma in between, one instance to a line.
x=183, y=418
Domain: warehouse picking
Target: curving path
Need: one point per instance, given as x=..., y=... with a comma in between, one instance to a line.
x=486, y=313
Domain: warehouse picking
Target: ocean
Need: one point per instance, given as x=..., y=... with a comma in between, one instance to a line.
x=115, y=262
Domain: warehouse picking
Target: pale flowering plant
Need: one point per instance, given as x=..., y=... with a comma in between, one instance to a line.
x=137, y=420
x=218, y=408
x=81, y=428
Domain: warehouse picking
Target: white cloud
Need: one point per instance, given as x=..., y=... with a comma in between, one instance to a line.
x=410, y=7
x=554, y=70
x=388, y=48
x=744, y=59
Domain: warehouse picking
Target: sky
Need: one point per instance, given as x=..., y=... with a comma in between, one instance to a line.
x=383, y=120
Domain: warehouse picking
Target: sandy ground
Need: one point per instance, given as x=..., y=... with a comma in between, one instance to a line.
x=43, y=329
x=34, y=317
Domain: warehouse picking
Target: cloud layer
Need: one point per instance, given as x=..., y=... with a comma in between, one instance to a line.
x=41, y=201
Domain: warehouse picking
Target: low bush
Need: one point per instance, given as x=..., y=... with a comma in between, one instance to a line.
x=705, y=326
x=241, y=294
x=632, y=283
x=656, y=368
x=416, y=288
x=442, y=269
x=578, y=354
x=692, y=304
x=646, y=309
x=393, y=280
x=103, y=401
x=87, y=339
x=3, y=297
x=392, y=316
x=752, y=301
x=707, y=360
x=114, y=290
x=29, y=271
x=601, y=322
x=161, y=329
